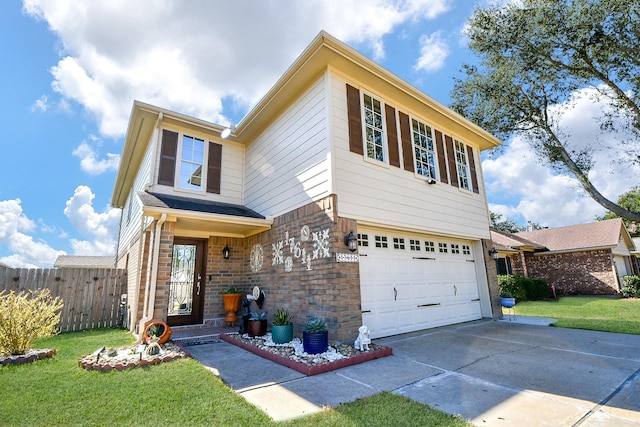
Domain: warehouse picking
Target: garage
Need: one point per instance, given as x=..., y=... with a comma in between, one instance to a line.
x=414, y=282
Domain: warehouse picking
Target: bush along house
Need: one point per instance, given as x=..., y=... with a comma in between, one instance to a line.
x=345, y=194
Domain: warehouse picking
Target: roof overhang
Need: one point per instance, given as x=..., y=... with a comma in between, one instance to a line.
x=567, y=251
x=204, y=225
x=328, y=53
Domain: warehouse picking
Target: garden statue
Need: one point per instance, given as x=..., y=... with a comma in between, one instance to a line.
x=363, y=340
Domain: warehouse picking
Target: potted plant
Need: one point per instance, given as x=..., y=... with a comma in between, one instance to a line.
x=257, y=324
x=281, y=326
x=507, y=300
x=231, y=298
x=157, y=329
x=315, y=337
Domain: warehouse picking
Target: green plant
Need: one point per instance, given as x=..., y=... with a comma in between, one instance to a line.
x=232, y=290
x=315, y=326
x=630, y=287
x=156, y=330
x=506, y=295
x=257, y=316
x=25, y=316
x=282, y=317
x=522, y=288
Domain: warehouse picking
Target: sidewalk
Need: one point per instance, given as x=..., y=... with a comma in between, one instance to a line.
x=492, y=373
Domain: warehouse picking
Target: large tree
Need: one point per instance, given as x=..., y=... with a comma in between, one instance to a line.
x=535, y=56
x=630, y=201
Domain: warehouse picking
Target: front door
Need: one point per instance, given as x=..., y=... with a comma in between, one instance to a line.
x=186, y=289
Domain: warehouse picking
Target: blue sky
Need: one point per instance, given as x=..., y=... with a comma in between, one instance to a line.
x=72, y=70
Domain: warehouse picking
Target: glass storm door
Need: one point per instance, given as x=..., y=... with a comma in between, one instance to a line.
x=186, y=287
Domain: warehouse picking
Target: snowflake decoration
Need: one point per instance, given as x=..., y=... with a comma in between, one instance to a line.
x=278, y=256
x=321, y=244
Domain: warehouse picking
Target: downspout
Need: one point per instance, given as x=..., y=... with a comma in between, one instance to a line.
x=150, y=296
x=134, y=301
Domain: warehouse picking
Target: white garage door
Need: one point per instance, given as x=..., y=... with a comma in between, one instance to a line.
x=408, y=283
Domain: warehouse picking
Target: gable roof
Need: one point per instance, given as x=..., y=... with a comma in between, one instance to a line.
x=77, y=261
x=594, y=235
x=323, y=53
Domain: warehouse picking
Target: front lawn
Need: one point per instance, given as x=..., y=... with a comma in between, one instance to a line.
x=586, y=312
x=58, y=392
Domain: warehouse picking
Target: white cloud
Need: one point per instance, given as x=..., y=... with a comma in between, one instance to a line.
x=41, y=104
x=190, y=58
x=433, y=52
x=89, y=162
x=101, y=228
x=14, y=229
x=551, y=198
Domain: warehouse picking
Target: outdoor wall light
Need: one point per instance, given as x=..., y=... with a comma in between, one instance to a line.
x=226, y=252
x=493, y=253
x=227, y=132
x=351, y=241
x=431, y=181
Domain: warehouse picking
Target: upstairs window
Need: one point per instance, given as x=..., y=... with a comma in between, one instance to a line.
x=462, y=165
x=424, y=149
x=191, y=163
x=374, y=131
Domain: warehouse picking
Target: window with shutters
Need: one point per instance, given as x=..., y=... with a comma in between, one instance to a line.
x=424, y=149
x=190, y=163
x=374, y=128
x=462, y=165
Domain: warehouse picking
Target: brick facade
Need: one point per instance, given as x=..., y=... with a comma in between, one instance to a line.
x=492, y=279
x=576, y=273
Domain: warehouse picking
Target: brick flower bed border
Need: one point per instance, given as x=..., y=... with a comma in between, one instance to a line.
x=31, y=356
x=106, y=365
x=303, y=368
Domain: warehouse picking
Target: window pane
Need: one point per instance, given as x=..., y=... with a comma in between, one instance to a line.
x=191, y=163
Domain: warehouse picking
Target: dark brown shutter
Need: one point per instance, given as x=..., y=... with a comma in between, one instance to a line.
x=392, y=136
x=442, y=158
x=451, y=156
x=168, y=151
x=472, y=170
x=407, y=146
x=355, y=120
x=214, y=168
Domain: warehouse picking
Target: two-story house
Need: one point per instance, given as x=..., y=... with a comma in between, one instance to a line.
x=339, y=149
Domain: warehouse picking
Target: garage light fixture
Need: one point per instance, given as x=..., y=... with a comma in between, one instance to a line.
x=226, y=252
x=493, y=253
x=351, y=241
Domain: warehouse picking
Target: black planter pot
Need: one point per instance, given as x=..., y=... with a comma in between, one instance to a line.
x=314, y=343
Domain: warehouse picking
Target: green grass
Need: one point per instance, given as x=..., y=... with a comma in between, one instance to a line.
x=594, y=313
x=57, y=392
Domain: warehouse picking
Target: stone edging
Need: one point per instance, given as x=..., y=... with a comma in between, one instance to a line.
x=31, y=356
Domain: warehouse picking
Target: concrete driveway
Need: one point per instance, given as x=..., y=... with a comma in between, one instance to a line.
x=491, y=373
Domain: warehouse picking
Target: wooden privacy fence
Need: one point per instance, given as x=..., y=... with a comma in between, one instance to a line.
x=91, y=296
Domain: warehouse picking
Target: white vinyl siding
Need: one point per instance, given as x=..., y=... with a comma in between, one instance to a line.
x=393, y=196
x=288, y=165
x=130, y=221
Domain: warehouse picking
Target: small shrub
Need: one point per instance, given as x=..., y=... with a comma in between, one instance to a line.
x=25, y=316
x=522, y=288
x=630, y=287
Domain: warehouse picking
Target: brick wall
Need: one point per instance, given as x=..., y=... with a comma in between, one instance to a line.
x=584, y=273
x=492, y=279
x=314, y=284
x=223, y=273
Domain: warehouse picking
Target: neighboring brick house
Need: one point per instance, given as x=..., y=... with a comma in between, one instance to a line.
x=586, y=259
x=338, y=149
